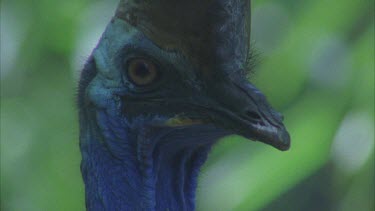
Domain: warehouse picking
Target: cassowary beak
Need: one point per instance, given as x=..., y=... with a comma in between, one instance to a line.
x=240, y=107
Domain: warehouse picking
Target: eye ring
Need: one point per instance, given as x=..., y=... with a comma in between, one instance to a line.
x=142, y=72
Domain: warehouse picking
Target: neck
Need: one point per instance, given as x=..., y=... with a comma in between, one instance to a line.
x=144, y=168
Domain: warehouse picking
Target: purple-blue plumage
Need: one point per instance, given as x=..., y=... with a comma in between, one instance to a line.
x=132, y=166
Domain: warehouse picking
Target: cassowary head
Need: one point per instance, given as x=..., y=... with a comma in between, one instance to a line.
x=167, y=79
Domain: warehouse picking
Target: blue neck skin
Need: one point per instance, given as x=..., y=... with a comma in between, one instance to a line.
x=133, y=167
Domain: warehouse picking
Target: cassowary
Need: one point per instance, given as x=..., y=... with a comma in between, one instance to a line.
x=165, y=82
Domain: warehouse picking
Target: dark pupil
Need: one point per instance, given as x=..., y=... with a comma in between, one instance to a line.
x=141, y=70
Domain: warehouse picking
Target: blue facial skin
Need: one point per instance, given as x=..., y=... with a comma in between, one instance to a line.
x=136, y=162
x=133, y=156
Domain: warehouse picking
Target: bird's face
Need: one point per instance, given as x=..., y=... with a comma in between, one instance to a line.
x=166, y=89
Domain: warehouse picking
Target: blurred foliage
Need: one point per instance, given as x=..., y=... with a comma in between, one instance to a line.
x=317, y=67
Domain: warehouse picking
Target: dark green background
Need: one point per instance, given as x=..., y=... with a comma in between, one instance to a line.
x=316, y=65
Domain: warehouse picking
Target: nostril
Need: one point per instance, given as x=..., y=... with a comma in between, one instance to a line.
x=253, y=115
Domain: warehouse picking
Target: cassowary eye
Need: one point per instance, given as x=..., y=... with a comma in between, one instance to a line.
x=142, y=72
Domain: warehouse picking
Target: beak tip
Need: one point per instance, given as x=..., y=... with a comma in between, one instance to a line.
x=284, y=147
x=284, y=141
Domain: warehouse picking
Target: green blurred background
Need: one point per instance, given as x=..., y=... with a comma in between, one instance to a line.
x=316, y=66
